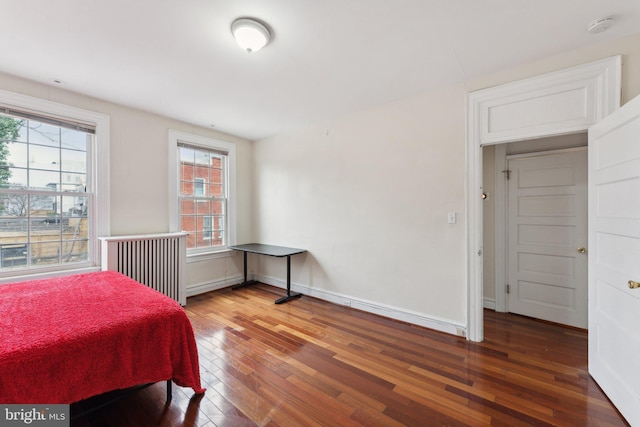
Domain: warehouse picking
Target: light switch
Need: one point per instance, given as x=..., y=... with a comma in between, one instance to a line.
x=451, y=218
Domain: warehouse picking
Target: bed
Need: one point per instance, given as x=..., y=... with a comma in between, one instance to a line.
x=69, y=338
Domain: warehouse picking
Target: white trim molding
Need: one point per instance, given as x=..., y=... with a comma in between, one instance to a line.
x=558, y=103
x=369, y=306
x=489, y=303
x=213, y=285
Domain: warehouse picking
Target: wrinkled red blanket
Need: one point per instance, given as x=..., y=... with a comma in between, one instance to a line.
x=69, y=338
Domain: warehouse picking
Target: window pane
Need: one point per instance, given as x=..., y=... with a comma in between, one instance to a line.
x=198, y=187
x=207, y=225
x=46, y=253
x=188, y=206
x=186, y=188
x=75, y=228
x=13, y=255
x=187, y=155
x=189, y=223
x=13, y=218
x=203, y=207
x=73, y=206
x=216, y=207
x=203, y=158
x=73, y=139
x=12, y=129
x=215, y=176
x=75, y=250
x=17, y=156
x=73, y=182
x=191, y=240
x=23, y=131
x=17, y=178
x=46, y=158
x=44, y=210
x=217, y=237
x=73, y=161
x=15, y=205
x=215, y=190
x=44, y=134
x=202, y=240
x=44, y=180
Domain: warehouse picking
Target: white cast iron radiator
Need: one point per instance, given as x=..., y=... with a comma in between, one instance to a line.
x=156, y=260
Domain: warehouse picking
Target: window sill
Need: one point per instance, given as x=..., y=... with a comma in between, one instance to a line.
x=28, y=275
x=224, y=253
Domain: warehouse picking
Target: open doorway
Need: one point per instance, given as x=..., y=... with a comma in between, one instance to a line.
x=534, y=228
x=559, y=103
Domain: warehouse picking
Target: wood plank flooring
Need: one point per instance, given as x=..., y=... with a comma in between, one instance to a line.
x=312, y=363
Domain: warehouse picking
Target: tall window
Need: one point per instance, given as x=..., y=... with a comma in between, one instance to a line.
x=47, y=189
x=205, y=209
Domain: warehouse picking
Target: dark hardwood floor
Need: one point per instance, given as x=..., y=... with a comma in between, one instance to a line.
x=312, y=363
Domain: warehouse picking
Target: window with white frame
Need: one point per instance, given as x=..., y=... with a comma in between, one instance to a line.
x=203, y=190
x=49, y=174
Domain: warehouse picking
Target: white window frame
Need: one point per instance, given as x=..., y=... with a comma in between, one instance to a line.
x=206, y=143
x=97, y=174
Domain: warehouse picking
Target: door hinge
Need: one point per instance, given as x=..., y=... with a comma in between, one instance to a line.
x=507, y=173
x=508, y=288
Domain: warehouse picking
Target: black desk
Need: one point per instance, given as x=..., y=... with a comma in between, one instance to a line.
x=276, y=251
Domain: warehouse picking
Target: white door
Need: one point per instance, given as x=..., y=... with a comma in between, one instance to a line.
x=614, y=258
x=547, y=273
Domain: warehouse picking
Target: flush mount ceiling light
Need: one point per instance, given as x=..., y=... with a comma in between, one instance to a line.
x=599, y=25
x=250, y=34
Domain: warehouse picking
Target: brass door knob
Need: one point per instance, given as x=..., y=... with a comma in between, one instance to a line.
x=582, y=250
x=633, y=284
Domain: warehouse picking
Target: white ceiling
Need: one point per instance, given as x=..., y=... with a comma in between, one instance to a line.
x=327, y=57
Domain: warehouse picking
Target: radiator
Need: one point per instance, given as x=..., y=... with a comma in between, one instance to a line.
x=156, y=260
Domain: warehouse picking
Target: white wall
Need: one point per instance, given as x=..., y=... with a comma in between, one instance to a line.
x=368, y=196
x=139, y=171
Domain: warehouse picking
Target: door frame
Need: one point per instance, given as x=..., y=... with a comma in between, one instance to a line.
x=558, y=103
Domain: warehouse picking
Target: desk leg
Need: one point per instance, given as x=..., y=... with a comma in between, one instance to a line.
x=246, y=282
x=290, y=295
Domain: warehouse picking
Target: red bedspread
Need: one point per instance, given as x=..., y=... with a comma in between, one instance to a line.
x=69, y=338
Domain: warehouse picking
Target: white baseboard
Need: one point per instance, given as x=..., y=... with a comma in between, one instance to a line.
x=489, y=303
x=370, y=307
x=201, y=288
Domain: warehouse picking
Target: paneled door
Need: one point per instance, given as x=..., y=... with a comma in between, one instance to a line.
x=614, y=257
x=547, y=259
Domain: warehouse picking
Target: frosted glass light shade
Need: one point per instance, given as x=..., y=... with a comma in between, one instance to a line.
x=250, y=35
